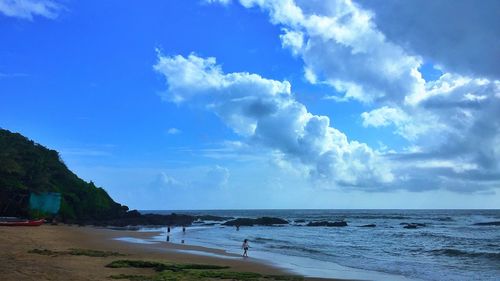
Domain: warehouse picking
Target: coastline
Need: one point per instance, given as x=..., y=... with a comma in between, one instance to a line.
x=17, y=264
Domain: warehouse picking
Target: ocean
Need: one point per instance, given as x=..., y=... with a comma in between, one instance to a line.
x=448, y=247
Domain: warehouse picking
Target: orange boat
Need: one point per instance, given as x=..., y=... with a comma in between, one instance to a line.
x=22, y=222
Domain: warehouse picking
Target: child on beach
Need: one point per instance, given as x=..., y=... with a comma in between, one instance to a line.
x=245, y=247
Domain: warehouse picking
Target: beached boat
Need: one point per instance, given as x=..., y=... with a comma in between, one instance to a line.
x=21, y=222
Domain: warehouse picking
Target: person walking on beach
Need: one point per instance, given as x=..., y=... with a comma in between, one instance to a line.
x=245, y=247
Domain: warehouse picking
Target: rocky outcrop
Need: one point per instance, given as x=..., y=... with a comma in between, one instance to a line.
x=327, y=223
x=212, y=218
x=267, y=221
x=412, y=225
x=488, y=223
x=145, y=219
x=368, y=225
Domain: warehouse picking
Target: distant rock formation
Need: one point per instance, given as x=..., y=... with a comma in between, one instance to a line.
x=266, y=221
x=488, y=223
x=412, y=225
x=327, y=223
x=212, y=218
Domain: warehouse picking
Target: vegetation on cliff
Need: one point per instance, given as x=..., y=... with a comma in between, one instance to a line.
x=27, y=167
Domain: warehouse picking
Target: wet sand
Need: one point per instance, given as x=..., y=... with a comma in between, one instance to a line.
x=17, y=264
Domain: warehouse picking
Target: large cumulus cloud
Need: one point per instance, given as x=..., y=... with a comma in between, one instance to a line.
x=265, y=112
x=373, y=52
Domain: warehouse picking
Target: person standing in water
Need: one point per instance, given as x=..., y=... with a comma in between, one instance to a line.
x=245, y=247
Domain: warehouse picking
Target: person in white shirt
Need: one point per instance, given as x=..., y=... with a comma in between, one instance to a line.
x=245, y=247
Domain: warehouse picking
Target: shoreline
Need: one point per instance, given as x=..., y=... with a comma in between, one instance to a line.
x=309, y=268
x=17, y=264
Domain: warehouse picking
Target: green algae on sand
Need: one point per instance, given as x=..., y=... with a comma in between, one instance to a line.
x=75, y=252
x=185, y=272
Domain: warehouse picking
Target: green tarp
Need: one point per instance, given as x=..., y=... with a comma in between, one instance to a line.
x=47, y=202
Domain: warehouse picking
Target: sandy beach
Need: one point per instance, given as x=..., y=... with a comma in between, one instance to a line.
x=17, y=263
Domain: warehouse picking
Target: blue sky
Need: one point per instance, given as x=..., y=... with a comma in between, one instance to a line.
x=261, y=104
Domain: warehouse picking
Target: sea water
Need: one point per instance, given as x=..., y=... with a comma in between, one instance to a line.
x=448, y=247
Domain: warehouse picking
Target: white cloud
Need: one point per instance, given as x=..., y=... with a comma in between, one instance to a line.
x=310, y=75
x=293, y=40
x=164, y=180
x=445, y=85
x=408, y=126
x=266, y=114
x=472, y=97
x=204, y=178
x=341, y=46
x=462, y=133
x=217, y=176
x=27, y=9
x=456, y=166
x=383, y=116
x=173, y=131
x=223, y=2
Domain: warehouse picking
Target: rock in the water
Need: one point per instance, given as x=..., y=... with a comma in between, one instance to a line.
x=327, y=223
x=270, y=221
x=488, y=223
x=240, y=222
x=147, y=219
x=208, y=224
x=414, y=225
x=212, y=218
x=267, y=221
x=368, y=225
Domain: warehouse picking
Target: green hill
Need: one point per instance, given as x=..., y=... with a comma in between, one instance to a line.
x=27, y=167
